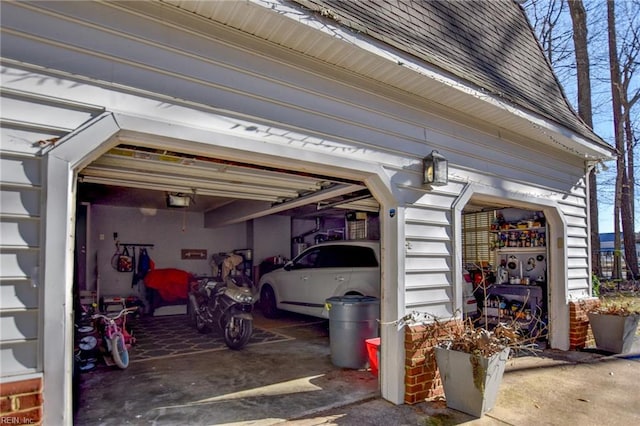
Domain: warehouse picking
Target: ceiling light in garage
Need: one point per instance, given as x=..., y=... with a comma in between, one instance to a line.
x=178, y=200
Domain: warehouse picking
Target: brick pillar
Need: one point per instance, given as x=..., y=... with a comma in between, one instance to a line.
x=21, y=402
x=580, y=335
x=422, y=379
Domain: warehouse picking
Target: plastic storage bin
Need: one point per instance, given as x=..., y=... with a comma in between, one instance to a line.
x=352, y=320
x=373, y=351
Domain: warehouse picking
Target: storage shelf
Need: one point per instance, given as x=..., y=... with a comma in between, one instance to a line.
x=537, y=228
x=520, y=240
x=504, y=319
x=522, y=249
x=531, y=294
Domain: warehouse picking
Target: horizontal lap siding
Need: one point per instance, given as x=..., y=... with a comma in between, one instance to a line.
x=53, y=116
x=20, y=232
x=18, y=262
x=23, y=137
x=574, y=209
x=428, y=253
x=19, y=326
x=19, y=357
x=18, y=293
x=30, y=121
x=20, y=223
x=20, y=201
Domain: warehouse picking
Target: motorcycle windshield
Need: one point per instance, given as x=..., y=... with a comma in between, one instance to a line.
x=241, y=281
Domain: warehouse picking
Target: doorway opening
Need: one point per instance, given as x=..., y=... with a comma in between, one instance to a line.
x=504, y=261
x=265, y=215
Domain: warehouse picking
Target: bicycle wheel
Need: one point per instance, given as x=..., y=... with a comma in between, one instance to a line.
x=87, y=343
x=119, y=350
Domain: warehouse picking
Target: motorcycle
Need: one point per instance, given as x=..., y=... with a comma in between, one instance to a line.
x=224, y=304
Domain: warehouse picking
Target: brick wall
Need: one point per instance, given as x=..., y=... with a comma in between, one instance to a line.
x=422, y=379
x=21, y=402
x=580, y=335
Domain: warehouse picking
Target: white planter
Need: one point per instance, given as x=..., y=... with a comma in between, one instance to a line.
x=462, y=392
x=614, y=333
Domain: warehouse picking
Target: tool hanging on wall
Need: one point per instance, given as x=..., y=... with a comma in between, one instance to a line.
x=116, y=257
x=531, y=264
x=125, y=261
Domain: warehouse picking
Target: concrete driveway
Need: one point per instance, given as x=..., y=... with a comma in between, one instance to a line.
x=553, y=388
x=292, y=381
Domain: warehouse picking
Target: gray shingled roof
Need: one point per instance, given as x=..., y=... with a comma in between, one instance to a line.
x=487, y=43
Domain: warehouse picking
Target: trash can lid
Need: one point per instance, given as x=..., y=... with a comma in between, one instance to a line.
x=352, y=298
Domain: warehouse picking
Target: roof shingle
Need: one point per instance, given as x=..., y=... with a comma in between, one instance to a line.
x=489, y=44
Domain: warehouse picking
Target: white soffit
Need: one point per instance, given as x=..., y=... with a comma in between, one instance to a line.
x=286, y=26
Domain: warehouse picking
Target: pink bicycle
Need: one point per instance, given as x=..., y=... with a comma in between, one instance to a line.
x=116, y=337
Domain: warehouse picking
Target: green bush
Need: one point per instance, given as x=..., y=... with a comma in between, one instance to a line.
x=595, y=286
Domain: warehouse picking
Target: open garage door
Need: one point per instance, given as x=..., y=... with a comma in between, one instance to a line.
x=172, y=203
x=154, y=178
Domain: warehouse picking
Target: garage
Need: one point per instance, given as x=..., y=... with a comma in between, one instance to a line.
x=186, y=213
x=261, y=121
x=130, y=190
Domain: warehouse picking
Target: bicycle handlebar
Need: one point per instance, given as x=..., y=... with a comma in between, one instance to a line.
x=125, y=311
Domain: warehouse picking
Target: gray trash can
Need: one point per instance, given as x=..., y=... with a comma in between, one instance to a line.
x=352, y=320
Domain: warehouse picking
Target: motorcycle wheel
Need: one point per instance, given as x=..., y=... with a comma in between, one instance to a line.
x=201, y=325
x=237, y=332
x=191, y=315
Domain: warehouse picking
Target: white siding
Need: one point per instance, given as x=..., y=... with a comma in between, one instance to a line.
x=28, y=121
x=577, y=243
x=20, y=192
x=429, y=283
x=19, y=357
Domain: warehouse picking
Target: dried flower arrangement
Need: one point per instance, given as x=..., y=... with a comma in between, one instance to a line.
x=467, y=337
x=619, y=308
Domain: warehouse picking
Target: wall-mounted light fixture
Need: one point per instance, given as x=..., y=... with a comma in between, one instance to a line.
x=435, y=169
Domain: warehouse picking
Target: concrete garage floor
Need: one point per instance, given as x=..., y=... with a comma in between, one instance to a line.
x=262, y=384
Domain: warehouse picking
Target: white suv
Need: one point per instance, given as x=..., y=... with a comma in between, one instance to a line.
x=330, y=269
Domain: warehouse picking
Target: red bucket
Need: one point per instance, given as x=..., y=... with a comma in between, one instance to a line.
x=373, y=350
